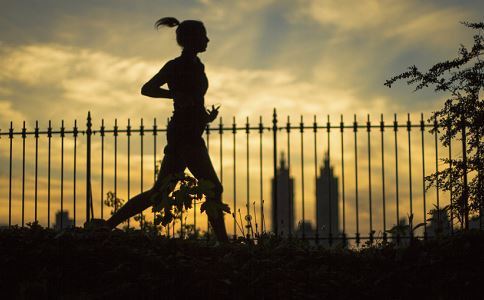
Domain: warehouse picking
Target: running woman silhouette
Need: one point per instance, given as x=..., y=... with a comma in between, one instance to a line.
x=187, y=85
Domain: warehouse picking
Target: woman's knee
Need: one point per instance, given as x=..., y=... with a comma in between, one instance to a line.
x=218, y=188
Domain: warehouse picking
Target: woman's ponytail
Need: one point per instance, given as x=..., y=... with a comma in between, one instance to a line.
x=167, y=21
x=185, y=30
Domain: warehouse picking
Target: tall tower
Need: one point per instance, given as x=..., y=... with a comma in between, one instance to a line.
x=327, y=201
x=284, y=216
x=62, y=217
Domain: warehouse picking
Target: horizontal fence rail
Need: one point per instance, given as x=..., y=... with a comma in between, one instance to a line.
x=326, y=181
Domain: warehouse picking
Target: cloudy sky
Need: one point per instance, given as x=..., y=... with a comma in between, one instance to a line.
x=60, y=59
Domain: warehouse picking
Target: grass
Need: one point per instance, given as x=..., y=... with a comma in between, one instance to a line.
x=80, y=264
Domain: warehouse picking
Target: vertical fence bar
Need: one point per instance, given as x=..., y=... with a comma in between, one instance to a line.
x=255, y=218
x=355, y=130
x=341, y=126
x=328, y=130
x=168, y=226
x=274, y=158
x=301, y=129
x=409, y=127
x=424, y=191
x=88, y=166
x=102, y=167
x=368, y=131
x=315, y=130
x=208, y=150
x=234, y=131
x=36, y=167
x=115, y=133
x=450, y=187
x=290, y=190
x=220, y=136
x=74, y=175
x=128, y=136
x=382, y=130
x=395, y=129
x=24, y=135
x=207, y=131
x=49, y=136
x=248, y=217
x=62, y=174
x=436, y=132
x=141, y=135
x=155, y=135
x=261, y=129
x=10, y=136
x=465, y=191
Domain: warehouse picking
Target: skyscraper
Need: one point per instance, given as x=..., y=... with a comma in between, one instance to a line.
x=284, y=216
x=327, y=201
x=62, y=217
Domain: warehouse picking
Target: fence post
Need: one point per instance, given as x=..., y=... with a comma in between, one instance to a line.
x=274, y=157
x=88, y=165
x=465, y=188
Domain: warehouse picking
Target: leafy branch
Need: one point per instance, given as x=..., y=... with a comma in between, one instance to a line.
x=177, y=194
x=461, y=118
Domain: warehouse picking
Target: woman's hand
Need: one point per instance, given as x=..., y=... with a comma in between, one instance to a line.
x=212, y=113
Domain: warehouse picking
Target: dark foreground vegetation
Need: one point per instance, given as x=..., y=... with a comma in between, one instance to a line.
x=37, y=263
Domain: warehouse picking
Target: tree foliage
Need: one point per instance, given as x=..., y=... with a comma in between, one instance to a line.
x=461, y=118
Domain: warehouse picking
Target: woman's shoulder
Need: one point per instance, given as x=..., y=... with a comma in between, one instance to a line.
x=174, y=64
x=181, y=64
x=170, y=64
x=172, y=67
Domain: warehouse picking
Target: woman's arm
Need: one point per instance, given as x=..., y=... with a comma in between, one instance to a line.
x=152, y=88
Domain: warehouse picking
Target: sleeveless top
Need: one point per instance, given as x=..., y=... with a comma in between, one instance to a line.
x=187, y=81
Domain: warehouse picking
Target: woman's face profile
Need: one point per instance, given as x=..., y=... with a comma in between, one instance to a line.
x=199, y=40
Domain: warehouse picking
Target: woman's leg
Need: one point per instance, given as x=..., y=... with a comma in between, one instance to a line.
x=198, y=162
x=171, y=163
x=133, y=207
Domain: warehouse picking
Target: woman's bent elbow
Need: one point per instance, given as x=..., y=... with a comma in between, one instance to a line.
x=144, y=90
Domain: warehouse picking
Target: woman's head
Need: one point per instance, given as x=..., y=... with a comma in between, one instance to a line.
x=190, y=34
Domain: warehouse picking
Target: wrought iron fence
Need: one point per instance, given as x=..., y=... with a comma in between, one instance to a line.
x=380, y=184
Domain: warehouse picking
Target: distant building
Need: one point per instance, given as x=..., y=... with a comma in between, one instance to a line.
x=284, y=215
x=305, y=227
x=439, y=223
x=62, y=220
x=327, y=195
